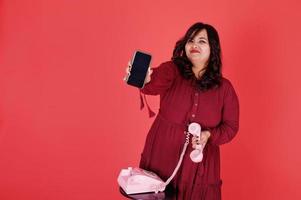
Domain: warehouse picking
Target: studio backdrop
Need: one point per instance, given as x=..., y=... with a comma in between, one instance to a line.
x=69, y=123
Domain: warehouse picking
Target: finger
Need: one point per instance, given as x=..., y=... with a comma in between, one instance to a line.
x=196, y=137
x=148, y=75
x=203, y=141
x=196, y=141
x=203, y=137
x=150, y=71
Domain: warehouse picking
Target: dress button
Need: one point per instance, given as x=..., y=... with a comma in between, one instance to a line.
x=193, y=115
x=196, y=104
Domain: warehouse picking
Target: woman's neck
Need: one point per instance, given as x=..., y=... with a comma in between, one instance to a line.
x=198, y=70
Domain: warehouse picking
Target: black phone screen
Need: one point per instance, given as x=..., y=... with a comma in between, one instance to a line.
x=139, y=69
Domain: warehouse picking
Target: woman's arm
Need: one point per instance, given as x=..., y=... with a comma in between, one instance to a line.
x=161, y=79
x=229, y=125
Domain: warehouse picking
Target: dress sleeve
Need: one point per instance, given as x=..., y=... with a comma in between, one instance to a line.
x=229, y=125
x=161, y=79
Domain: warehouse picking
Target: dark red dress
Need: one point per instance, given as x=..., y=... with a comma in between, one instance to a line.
x=216, y=110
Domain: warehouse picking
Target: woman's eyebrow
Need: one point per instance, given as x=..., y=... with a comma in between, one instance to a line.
x=201, y=37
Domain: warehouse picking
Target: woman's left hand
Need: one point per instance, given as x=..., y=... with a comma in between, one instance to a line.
x=202, y=140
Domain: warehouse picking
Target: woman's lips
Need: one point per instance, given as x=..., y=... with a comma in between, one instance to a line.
x=194, y=51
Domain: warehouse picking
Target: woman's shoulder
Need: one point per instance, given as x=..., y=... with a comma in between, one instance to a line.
x=169, y=63
x=169, y=66
x=226, y=84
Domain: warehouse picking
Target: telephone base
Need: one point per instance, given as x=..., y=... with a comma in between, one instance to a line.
x=137, y=180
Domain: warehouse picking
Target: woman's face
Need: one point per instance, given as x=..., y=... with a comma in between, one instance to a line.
x=197, y=49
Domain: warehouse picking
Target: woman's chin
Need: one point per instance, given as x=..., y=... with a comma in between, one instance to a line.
x=196, y=60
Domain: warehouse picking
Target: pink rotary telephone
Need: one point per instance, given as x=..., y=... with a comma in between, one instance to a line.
x=136, y=180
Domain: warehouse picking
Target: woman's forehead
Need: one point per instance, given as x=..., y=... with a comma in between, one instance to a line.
x=198, y=34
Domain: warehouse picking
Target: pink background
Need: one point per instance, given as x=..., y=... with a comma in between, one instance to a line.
x=68, y=123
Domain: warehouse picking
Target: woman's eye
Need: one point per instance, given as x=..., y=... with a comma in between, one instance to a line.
x=202, y=41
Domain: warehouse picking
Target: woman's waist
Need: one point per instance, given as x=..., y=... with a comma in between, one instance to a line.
x=171, y=120
x=183, y=122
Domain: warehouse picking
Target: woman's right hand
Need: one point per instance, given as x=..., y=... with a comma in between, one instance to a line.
x=148, y=75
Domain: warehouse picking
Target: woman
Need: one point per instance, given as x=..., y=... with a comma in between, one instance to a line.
x=191, y=89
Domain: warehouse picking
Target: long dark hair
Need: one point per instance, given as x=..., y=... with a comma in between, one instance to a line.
x=212, y=75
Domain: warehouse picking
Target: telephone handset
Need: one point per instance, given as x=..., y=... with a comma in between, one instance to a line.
x=197, y=154
x=137, y=180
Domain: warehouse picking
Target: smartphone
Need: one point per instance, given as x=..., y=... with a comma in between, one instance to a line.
x=140, y=64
